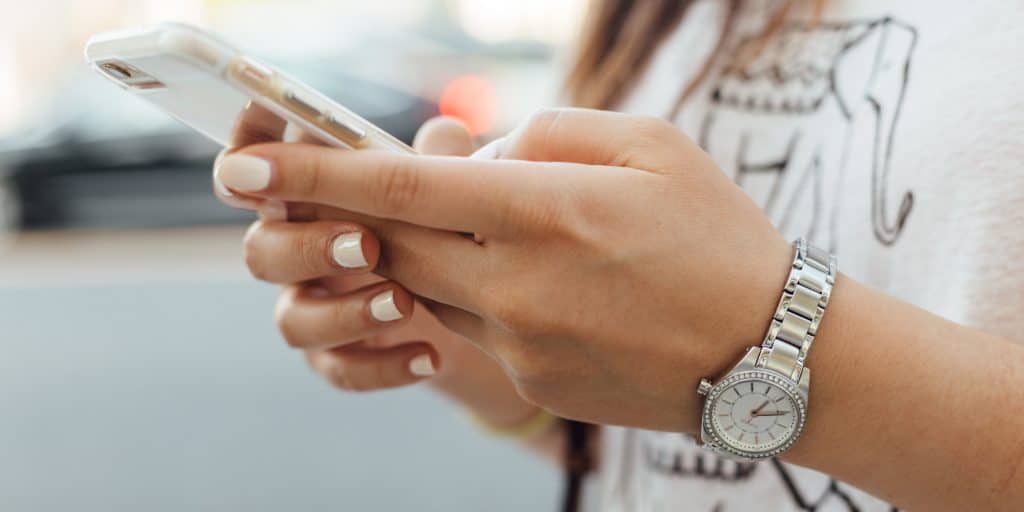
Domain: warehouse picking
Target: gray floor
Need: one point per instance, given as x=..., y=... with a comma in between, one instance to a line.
x=181, y=397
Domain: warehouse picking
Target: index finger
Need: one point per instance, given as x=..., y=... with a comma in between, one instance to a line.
x=452, y=193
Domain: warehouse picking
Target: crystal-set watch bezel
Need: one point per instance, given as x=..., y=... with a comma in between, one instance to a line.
x=717, y=440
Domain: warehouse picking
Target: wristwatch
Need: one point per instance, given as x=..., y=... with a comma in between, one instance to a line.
x=759, y=407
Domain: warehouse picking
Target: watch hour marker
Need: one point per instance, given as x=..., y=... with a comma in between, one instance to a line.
x=751, y=387
x=737, y=392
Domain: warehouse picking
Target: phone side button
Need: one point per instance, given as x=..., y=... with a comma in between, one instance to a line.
x=349, y=134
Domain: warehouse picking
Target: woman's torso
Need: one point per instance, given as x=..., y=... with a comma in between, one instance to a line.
x=888, y=132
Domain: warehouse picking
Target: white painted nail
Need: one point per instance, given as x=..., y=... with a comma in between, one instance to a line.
x=422, y=366
x=347, y=250
x=217, y=185
x=221, y=189
x=272, y=209
x=383, y=307
x=243, y=172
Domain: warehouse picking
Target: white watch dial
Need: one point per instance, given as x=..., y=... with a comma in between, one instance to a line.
x=755, y=416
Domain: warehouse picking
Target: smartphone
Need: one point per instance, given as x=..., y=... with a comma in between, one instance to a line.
x=229, y=97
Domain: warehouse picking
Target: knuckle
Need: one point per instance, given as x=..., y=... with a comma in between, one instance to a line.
x=353, y=382
x=289, y=333
x=285, y=323
x=341, y=377
x=548, y=216
x=398, y=184
x=537, y=128
x=653, y=129
x=341, y=317
x=314, y=167
x=252, y=253
x=310, y=248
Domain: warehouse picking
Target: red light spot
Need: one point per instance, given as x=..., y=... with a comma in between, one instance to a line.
x=470, y=99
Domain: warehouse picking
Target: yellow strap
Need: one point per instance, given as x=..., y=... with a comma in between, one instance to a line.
x=540, y=422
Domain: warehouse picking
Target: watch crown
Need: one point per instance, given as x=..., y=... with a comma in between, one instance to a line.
x=704, y=387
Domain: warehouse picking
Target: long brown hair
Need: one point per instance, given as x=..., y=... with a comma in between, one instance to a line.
x=619, y=37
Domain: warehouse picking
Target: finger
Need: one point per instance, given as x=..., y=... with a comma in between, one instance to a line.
x=355, y=368
x=419, y=258
x=457, y=194
x=282, y=252
x=228, y=197
x=308, y=317
x=256, y=124
x=459, y=321
x=438, y=136
x=444, y=136
x=597, y=137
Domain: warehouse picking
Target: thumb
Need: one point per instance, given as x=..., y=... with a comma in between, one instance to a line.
x=444, y=136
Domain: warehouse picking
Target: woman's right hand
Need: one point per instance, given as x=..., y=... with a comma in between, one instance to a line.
x=330, y=316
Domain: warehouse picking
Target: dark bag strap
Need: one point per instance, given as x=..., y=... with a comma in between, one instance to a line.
x=577, y=463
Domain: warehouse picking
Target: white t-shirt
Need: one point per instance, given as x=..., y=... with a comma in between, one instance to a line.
x=891, y=133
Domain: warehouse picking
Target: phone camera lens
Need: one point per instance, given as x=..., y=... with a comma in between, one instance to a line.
x=117, y=70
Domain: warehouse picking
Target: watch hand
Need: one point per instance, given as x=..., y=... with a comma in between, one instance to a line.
x=773, y=413
x=762, y=406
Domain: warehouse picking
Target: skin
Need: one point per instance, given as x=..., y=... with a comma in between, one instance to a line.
x=612, y=266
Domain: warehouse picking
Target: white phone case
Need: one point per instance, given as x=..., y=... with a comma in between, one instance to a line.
x=229, y=97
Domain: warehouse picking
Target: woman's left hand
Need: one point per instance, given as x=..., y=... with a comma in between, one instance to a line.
x=612, y=264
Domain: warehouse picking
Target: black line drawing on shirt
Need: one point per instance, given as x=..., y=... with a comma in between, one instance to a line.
x=697, y=464
x=790, y=113
x=832, y=492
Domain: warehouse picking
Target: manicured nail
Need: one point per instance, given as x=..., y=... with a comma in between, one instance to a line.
x=243, y=172
x=383, y=307
x=422, y=366
x=221, y=189
x=347, y=250
x=272, y=209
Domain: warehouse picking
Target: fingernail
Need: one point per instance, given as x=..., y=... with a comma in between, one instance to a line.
x=422, y=366
x=347, y=250
x=383, y=307
x=243, y=172
x=272, y=209
x=221, y=189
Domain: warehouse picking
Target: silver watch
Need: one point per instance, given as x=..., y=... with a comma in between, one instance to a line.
x=758, y=408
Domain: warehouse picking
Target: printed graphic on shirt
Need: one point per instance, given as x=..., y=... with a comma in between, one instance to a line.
x=677, y=457
x=788, y=115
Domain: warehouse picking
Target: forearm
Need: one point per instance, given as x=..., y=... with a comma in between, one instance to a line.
x=914, y=408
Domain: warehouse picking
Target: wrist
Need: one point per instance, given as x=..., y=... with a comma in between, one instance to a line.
x=758, y=408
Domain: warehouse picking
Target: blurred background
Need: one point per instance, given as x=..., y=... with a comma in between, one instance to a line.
x=140, y=368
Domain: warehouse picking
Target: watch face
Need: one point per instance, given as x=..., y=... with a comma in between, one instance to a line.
x=754, y=414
